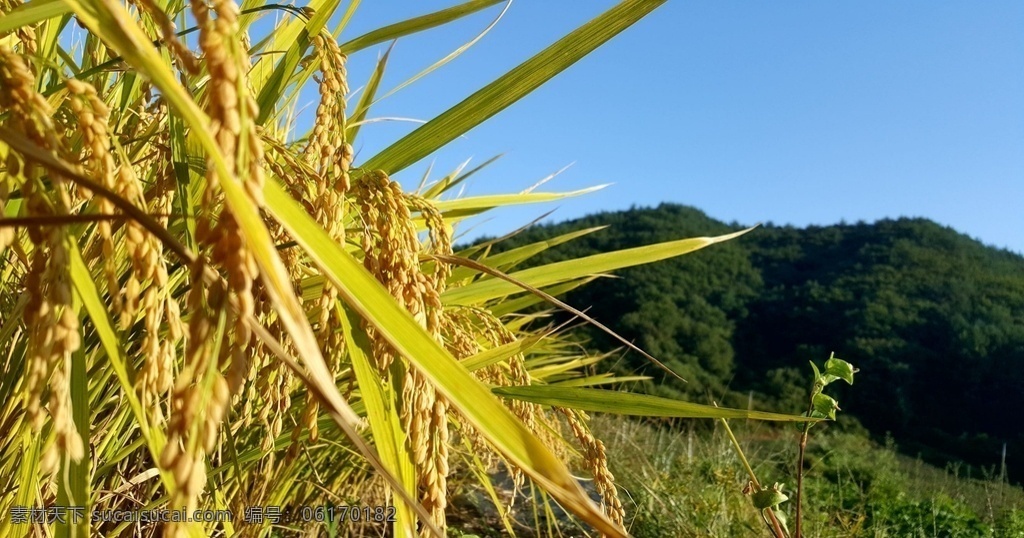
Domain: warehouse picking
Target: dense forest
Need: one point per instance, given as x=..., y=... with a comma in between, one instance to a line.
x=933, y=318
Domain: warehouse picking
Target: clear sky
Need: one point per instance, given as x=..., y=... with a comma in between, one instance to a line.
x=784, y=112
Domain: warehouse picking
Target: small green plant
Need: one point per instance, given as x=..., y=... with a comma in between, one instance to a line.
x=820, y=407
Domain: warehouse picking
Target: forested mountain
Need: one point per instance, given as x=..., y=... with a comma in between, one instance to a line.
x=933, y=318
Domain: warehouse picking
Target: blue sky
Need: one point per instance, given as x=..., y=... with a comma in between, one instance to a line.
x=788, y=112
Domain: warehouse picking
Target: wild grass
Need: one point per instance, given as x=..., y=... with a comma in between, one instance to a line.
x=682, y=479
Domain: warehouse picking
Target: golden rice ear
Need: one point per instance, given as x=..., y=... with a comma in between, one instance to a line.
x=597, y=463
x=168, y=35
x=202, y=394
x=391, y=250
x=50, y=317
x=326, y=151
x=147, y=289
x=92, y=116
x=440, y=238
x=331, y=157
x=27, y=39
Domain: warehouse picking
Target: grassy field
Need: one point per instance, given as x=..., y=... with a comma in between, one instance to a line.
x=684, y=480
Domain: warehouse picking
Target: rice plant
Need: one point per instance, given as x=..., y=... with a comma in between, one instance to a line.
x=213, y=325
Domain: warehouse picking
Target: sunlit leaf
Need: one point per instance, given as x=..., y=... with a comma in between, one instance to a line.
x=627, y=403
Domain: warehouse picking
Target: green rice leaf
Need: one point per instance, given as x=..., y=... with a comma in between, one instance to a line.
x=497, y=354
x=382, y=412
x=492, y=288
x=511, y=87
x=416, y=24
x=477, y=204
x=450, y=181
x=600, y=379
x=527, y=299
x=628, y=403
x=31, y=13
x=367, y=98
x=508, y=259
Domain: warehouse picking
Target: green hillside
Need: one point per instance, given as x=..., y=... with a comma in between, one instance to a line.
x=934, y=319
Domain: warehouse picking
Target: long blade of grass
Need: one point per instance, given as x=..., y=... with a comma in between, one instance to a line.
x=367, y=296
x=559, y=303
x=73, y=486
x=497, y=354
x=367, y=98
x=416, y=24
x=480, y=204
x=295, y=38
x=382, y=413
x=28, y=492
x=519, y=304
x=448, y=182
x=31, y=13
x=509, y=258
x=447, y=59
x=492, y=288
x=511, y=87
x=628, y=403
x=600, y=379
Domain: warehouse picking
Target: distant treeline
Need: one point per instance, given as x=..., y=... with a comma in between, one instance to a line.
x=933, y=318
